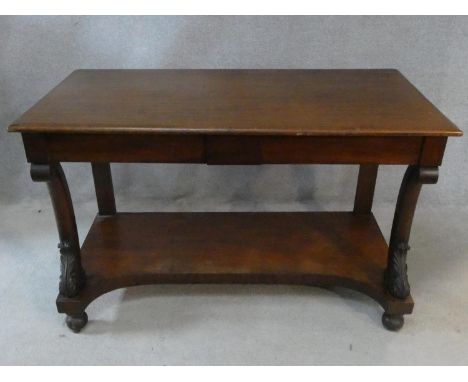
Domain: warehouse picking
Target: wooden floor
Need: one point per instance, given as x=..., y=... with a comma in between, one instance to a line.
x=317, y=248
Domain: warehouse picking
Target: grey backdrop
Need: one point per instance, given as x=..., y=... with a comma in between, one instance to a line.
x=38, y=52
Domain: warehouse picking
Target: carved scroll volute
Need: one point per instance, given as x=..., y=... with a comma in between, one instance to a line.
x=72, y=277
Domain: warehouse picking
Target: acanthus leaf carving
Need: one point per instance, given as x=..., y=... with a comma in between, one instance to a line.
x=72, y=276
x=396, y=277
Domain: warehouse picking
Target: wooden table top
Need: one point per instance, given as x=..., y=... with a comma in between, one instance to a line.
x=245, y=102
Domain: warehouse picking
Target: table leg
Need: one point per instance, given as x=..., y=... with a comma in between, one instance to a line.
x=365, y=188
x=104, y=189
x=396, y=278
x=72, y=278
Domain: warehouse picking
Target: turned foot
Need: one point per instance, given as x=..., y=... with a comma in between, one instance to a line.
x=393, y=322
x=77, y=322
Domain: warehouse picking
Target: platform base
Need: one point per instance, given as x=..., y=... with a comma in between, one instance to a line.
x=323, y=249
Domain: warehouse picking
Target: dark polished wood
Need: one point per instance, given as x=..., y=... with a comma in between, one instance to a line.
x=78, y=321
x=396, y=273
x=432, y=151
x=104, y=188
x=318, y=248
x=311, y=150
x=72, y=277
x=393, y=322
x=229, y=149
x=235, y=117
x=365, y=188
x=247, y=102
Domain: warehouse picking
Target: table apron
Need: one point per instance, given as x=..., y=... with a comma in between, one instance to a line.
x=233, y=149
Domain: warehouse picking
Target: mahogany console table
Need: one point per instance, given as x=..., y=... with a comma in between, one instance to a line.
x=233, y=117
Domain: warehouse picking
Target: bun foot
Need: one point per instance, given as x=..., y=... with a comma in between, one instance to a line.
x=393, y=322
x=77, y=322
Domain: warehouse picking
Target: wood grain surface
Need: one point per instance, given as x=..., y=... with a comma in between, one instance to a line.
x=311, y=248
x=252, y=102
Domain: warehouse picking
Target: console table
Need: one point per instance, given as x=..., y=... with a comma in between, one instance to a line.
x=235, y=117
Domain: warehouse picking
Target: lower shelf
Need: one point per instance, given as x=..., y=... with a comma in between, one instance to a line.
x=311, y=248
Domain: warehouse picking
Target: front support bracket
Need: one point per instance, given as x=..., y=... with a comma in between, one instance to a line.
x=72, y=278
x=396, y=277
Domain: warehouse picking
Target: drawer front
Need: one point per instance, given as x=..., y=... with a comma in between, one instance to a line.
x=115, y=148
x=310, y=150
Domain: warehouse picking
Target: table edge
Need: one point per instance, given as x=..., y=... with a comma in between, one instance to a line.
x=137, y=130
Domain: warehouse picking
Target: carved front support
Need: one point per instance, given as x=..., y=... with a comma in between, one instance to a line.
x=396, y=278
x=72, y=277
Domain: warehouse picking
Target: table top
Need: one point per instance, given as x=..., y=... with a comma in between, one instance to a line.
x=378, y=102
